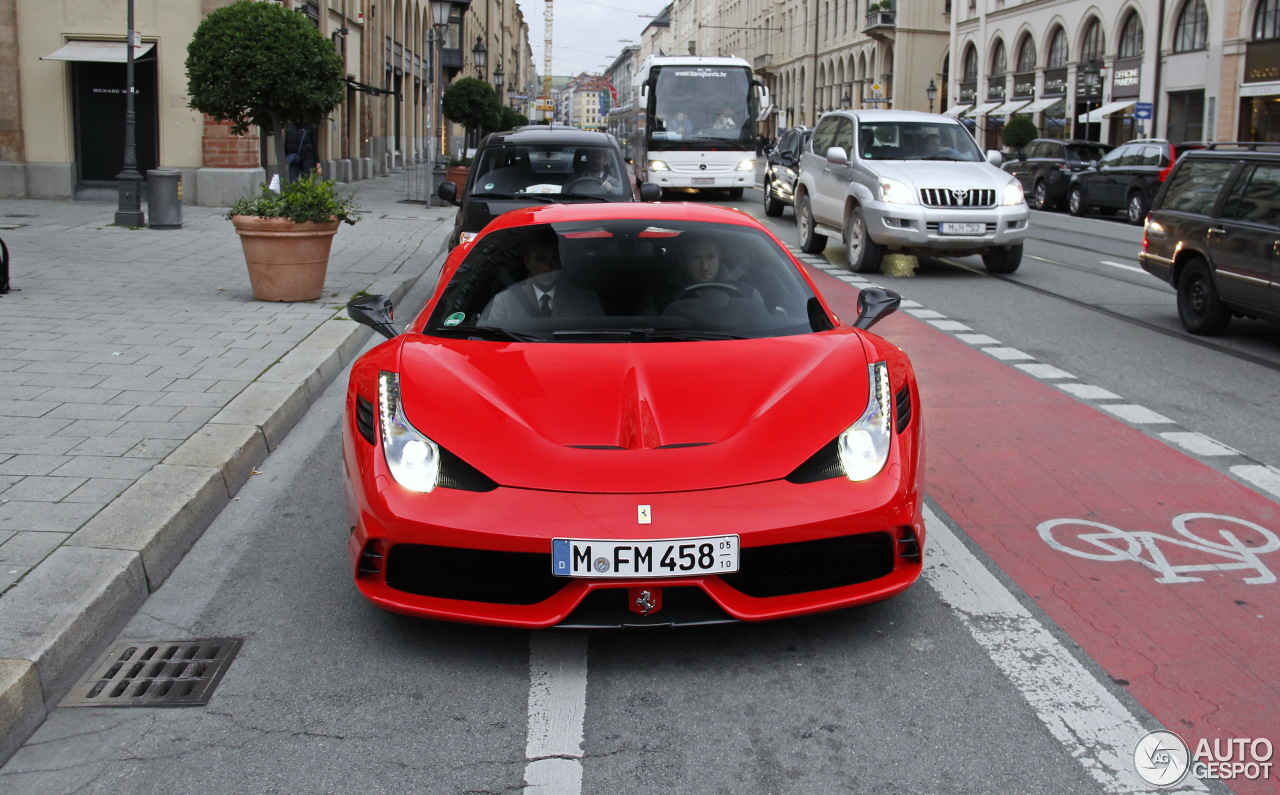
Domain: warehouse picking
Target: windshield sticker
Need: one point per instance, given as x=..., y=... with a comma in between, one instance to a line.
x=455, y=319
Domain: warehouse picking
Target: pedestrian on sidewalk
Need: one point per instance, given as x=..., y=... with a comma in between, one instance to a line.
x=300, y=149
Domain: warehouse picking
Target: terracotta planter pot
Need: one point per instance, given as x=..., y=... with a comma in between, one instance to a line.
x=287, y=261
x=458, y=176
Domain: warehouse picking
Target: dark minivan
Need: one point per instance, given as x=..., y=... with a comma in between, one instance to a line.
x=1045, y=166
x=1214, y=234
x=540, y=165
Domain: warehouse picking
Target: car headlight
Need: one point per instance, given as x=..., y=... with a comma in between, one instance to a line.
x=414, y=459
x=895, y=192
x=864, y=448
x=747, y=165
x=1012, y=194
x=658, y=165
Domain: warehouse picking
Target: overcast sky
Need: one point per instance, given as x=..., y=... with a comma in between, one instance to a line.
x=587, y=34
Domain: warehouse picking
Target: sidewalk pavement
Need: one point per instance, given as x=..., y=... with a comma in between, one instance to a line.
x=140, y=386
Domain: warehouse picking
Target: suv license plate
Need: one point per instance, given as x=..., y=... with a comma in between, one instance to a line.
x=961, y=229
x=704, y=180
x=676, y=557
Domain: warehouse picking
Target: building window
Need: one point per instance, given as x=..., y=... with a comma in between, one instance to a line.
x=1057, y=50
x=1093, y=41
x=999, y=62
x=970, y=65
x=1186, y=116
x=1266, y=20
x=1027, y=55
x=1131, y=37
x=1192, y=31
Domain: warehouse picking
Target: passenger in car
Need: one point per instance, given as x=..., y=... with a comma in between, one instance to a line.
x=543, y=293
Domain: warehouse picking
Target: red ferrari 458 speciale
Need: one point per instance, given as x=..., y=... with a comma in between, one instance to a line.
x=625, y=415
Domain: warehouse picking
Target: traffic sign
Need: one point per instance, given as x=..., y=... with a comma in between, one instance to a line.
x=1142, y=110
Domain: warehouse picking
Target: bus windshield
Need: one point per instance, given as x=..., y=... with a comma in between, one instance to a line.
x=699, y=105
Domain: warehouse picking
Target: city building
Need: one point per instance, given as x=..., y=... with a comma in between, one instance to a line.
x=62, y=100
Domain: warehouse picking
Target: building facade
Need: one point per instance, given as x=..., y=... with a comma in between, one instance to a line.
x=62, y=96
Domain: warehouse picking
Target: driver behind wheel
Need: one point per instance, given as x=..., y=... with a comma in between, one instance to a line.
x=701, y=282
x=594, y=173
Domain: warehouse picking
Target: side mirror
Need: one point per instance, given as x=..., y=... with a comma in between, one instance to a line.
x=374, y=311
x=994, y=157
x=448, y=191
x=1022, y=156
x=650, y=191
x=874, y=304
x=836, y=156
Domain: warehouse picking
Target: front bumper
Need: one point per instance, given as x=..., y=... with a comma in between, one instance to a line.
x=486, y=557
x=917, y=227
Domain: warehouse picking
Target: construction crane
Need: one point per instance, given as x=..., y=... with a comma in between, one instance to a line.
x=548, y=15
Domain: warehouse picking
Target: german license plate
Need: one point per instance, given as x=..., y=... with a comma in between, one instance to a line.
x=961, y=229
x=668, y=557
x=704, y=180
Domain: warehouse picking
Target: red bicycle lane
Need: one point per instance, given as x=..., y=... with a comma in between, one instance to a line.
x=1068, y=500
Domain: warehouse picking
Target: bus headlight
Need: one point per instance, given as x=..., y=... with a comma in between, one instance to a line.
x=658, y=165
x=747, y=165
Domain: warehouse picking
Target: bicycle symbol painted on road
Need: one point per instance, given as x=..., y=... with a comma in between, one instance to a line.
x=1238, y=546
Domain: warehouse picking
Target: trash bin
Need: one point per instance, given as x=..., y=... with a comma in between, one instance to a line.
x=164, y=198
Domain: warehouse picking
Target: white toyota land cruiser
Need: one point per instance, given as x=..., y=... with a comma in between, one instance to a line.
x=903, y=181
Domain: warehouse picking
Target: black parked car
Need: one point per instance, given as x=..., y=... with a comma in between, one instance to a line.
x=1126, y=178
x=1212, y=234
x=782, y=168
x=540, y=165
x=1044, y=167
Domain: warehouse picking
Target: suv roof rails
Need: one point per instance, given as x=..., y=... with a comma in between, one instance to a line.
x=1251, y=146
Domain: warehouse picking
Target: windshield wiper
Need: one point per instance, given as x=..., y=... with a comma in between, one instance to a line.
x=592, y=196
x=647, y=334
x=488, y=332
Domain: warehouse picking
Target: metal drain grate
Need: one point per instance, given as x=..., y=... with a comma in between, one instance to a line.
x=166, y=673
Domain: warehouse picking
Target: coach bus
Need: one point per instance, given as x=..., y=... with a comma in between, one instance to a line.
x=691, y=123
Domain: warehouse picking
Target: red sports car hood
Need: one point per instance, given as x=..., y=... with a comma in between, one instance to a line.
x=639, y=417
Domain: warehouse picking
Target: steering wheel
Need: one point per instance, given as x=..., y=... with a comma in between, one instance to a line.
x=728, y=288
x=597, y=181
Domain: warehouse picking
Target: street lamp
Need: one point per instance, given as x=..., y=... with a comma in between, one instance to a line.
x=440, y=12
x=480, y=54
x=129, y=181
x=1092, y=88
x=498, y=77
x=932, y=93
x=845, y=100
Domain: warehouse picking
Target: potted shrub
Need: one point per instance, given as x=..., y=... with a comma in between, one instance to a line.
x=459, y=168
x=286, y=236
x=1019, y=132
x=473, y=104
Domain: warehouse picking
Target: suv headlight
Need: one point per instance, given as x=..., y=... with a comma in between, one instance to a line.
x=864, y=447
x=414, y=460
x=895, y=192
x=1012, y=194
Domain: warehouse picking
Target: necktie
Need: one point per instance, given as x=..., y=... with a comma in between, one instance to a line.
x=544, y=305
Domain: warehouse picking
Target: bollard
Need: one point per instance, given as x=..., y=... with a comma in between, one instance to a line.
x=164, y=198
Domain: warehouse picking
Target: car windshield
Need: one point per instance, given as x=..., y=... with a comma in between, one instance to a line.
x=914, y=140
x=554, y=170
x=626, y=281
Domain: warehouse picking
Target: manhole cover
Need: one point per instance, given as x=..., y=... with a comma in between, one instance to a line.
x=165, y=673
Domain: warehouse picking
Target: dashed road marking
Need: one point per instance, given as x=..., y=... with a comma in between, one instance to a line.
x=557, y=706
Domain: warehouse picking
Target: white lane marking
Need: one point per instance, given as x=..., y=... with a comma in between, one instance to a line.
x=1122, y=266
x=1089, y=721
x=1138, y=415
x=1007, y=354
x=1264, y=477
x=1044, y=371
x=925, y=314
x=978, y=339
x=1198, y=444
x=949, y=325
x=1088, y=392
x=557, y=705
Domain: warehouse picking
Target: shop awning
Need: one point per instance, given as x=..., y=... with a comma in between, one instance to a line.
x=1012, y=106
x=1097, y=114
x=103, y=51
x=956, y=110
x=984, y=109
x=1042, y=104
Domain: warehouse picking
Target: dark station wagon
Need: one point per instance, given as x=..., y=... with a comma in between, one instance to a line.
x=1214, y=234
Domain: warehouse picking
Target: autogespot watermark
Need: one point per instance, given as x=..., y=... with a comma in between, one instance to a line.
x=1162, y=759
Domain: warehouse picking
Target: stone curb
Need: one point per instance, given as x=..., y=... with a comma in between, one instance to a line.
x=106, y=570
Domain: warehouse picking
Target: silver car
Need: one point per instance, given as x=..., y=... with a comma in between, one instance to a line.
x=902, y=181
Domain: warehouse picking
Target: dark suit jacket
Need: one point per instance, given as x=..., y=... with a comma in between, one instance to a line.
x=520, y=301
